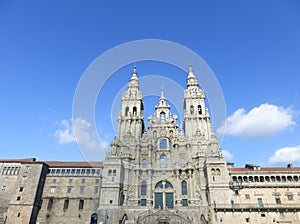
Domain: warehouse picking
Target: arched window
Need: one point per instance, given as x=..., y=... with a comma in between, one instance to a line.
x=162, y=117
x=126, y=111
x=114, y=172
x=183, y=188
x=94, y=218
x=144, y=163
x=218, y=172
x=109, y=172
x=168, y=185
x=144, y=188
x=213, y=171
x=134, y=111
x=199, y=109
x=159, y=185
x=163, y=161
x=192, y=109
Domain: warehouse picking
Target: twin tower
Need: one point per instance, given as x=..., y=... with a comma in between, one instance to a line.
x=196, y=120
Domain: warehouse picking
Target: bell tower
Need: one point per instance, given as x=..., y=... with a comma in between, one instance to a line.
x=196, y=117
x=130, y=119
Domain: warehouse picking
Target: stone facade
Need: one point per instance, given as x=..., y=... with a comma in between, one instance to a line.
x=160, y=174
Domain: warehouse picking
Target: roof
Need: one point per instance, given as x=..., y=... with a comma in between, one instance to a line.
x=266, y=169
x=25, y=160
x=74, y=164
x=71, y=164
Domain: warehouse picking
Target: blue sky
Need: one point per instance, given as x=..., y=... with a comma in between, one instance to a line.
x=253, y=48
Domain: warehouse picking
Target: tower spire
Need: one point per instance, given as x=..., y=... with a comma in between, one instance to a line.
x=162, y=95
x=134, y=73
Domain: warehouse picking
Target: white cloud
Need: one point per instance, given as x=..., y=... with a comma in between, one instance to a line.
x=85, y=137
x=263, y=121
x=227, y=155
x=65, y=133
x=286, y=155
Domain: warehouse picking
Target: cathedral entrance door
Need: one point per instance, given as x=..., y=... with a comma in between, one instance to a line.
x=169, y=200
x=158, y=200
x=163, y=195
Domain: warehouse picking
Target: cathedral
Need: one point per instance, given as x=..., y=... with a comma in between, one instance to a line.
x=160, y=174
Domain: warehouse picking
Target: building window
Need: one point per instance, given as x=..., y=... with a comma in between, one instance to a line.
x=114, y=173
x=83, y=171
x=247, y=219
x=3, y=188
x=93, y=171
x=68, y=171
x=182, y=163
x=109, y=172
x=18, y=198
x=52, y=190
x=163, y=161
x=52, y=171
x=290, y=197
x=27, y=168
x=163, y=144
x=184, y=202
x=232, y=203
x=162, y=117
x=126, y=111
x=19, y=214
x=236, y=192
x=260, y=202
x=247, y=196
x=24, y=178
x=98, y=171
x=66, y=204
x=159, y=185
x=82, y=181
x=81, y=204
x=168, y=185
x=54, y=181
x=4, y=170
x=88, y=171
x=134, y=111
x=183, y=188
x=63, y=171
x=69, y=190
x=97, y=181
x=70, y=181
x=50, y=204
x=144, y=188
x=144, y=163
x=281, y=214
x=277, y=199
x=199, y=109
x=81, y=190
x=143, y=202
x=57, y=171
x=21, y=189
x=77, y=171
x=192, y=109
x=73, y=171
x=110, y=201
x=96, y=190
x=262, y=214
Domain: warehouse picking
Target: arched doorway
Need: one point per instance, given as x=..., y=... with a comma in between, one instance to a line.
x=94, y=218
x=163, y=195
